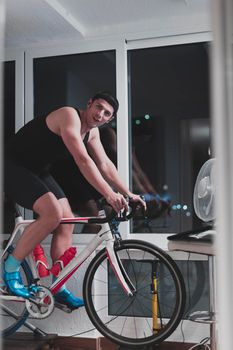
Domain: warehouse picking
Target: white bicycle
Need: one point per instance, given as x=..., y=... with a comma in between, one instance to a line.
x=133, y=291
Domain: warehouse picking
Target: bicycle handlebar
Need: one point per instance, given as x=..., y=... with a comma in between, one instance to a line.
x=122, y=216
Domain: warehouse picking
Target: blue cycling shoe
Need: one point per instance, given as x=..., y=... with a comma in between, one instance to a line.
x=67, y=298
x=15, y=285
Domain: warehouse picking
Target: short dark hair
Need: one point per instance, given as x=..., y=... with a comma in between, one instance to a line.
x=105, y=95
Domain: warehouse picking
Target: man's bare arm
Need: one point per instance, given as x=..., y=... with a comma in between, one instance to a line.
x=70, y=131
x=107, y=168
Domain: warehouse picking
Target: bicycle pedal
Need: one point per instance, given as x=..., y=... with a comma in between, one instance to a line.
x=63, y=307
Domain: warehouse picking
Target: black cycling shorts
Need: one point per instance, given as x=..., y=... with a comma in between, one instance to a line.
x=24, y=187
x=77, y=189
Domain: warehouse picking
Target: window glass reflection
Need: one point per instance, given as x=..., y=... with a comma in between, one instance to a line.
x=9, y=99
x=170, y=132
x=72, y=79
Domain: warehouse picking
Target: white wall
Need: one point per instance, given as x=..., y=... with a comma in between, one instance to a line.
x=222, y=103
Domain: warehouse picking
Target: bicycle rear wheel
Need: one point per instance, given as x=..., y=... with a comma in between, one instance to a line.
x=14, y=313
x=149, y=316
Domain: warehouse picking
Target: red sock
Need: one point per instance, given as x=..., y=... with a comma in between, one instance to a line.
x=61, y=262
x=41, y=261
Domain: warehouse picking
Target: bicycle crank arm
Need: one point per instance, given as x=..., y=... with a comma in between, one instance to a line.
x=63, y=307
x=41, y=305
x=26, y=324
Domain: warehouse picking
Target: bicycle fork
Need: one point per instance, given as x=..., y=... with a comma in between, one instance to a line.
x=119, y=270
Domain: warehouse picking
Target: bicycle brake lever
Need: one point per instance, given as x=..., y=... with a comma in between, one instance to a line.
x=122, y=216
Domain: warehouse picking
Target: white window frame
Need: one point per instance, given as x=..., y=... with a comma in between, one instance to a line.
x=121, y=47
x=160, y=239
x=121, y=85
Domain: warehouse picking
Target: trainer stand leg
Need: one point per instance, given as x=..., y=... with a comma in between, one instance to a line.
x=37, y=331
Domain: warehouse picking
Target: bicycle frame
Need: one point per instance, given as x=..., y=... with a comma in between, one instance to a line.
x=119, y=311
x=104, y=235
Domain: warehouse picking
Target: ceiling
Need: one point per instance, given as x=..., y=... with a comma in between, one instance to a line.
x=42, y=22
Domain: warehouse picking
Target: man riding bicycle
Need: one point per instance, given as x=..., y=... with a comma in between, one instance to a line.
x=28, y=156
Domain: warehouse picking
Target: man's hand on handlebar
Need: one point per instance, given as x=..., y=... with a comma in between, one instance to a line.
x=138, y=199
x=118, y=202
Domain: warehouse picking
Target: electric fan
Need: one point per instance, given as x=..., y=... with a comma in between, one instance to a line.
x=204, y=191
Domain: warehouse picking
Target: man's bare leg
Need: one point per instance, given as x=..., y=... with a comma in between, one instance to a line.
x=61, y=241
x=49, y=213
x=62, y=235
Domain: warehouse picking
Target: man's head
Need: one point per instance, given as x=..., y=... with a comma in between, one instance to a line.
x=104, y=95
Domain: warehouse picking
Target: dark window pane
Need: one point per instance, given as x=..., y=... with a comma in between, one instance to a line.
x=72, y=79
x=9, y=99
x=9, y=128
x=170, y=128
x=196, y=278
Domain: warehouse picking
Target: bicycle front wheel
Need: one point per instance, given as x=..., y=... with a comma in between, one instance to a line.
x=156, y=308
x=14, y=313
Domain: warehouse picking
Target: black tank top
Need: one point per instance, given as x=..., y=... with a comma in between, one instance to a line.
x=35, y=146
